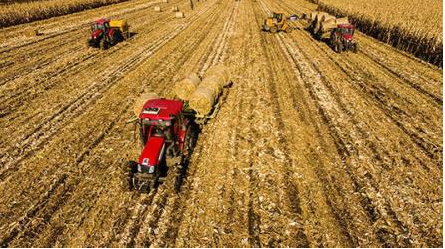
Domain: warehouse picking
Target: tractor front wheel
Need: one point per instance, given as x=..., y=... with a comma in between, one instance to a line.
x=338, y=47
x=288, y=29
x=355, y=48
x=103, y=44
x=131, y=168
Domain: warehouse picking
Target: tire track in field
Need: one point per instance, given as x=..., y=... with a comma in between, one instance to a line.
x=175, y=215
x=168, y=201
x=160, y=200
x=389, y=208
x=408, y=79
x=321, y=92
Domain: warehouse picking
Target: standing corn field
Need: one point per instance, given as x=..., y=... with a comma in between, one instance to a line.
x=18, y=12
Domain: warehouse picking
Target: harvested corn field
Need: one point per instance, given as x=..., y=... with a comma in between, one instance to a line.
x=310, y=148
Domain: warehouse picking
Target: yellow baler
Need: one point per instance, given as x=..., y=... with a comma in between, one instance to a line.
x=122, y=26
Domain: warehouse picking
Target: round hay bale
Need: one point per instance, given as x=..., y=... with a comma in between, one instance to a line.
x=202, y=100
x=213, y=82
x=140, y=102
x=165, y=1
x=327, y=18
x=175, y=9
x=313, y=15
x=179, y=14
x=318, y=19
x=185, y=88
x=32, y=32
x=343, y=20
x=220, y=71
x=328, y=24
x=157, y=9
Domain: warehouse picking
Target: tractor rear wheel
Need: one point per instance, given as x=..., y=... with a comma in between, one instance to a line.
x=273, y=29
x=340, y=47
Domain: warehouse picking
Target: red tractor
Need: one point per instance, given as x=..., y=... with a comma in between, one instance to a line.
x=168, y=134
x=342, y=38
x=169, y=129
x=106, y=33
x=338, y=32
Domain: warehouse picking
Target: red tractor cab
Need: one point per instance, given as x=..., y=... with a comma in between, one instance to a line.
x=342, y=38
x=167, y=135
x=103, y=35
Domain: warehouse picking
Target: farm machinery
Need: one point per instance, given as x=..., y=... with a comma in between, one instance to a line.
x=276, y=22
x=106, y=33
x=168, y=130
x=338, y=32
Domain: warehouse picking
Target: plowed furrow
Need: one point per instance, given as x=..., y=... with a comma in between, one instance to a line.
x=173, y=214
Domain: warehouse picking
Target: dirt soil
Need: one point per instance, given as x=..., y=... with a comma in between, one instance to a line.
x=310, y=149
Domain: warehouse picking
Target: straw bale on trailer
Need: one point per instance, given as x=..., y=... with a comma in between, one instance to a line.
x=32, y=32
x=214, y=83
x=343, y=20
x=331, y=23
x=185, y=88
x=312, y=16
x=139, y=103
x=221, y=71
x=203, y=99
x=318, y=19
x=328, y=25
x=179, y=14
